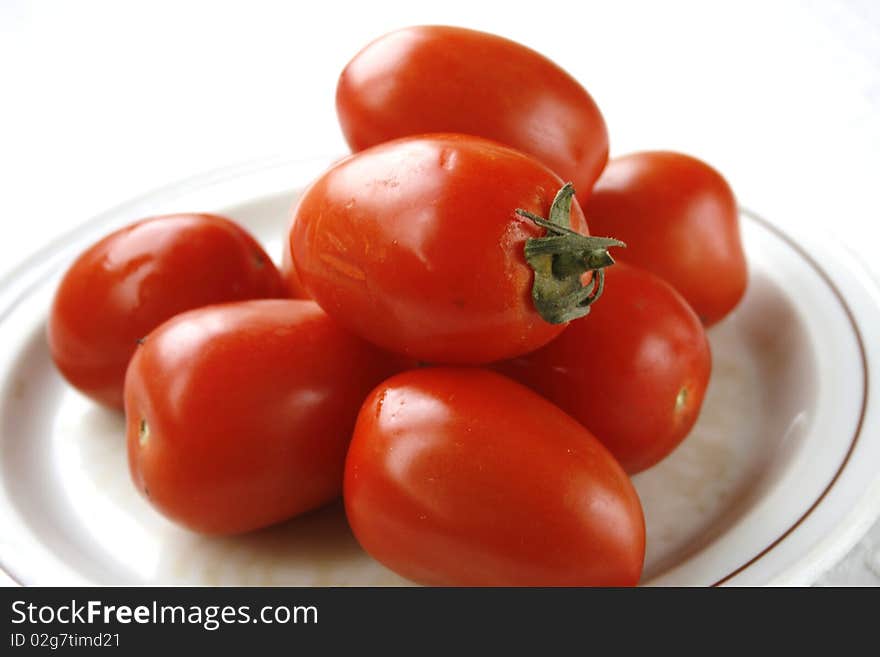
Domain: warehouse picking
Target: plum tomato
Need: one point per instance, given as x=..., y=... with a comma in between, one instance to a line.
x=462, y=477
x=134, y=279
x=433, y=247
x=679, y=219
x=239, y=415
x=295, y=288
x=634, y=373
x=450, y=79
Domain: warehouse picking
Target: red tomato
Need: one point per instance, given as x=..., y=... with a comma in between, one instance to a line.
x=239, y=415
x=449, y=79
x=137, y=277
x=416, y=245
x=295, y=288
x=634, y=373
x=462, y=477
x=679, y=219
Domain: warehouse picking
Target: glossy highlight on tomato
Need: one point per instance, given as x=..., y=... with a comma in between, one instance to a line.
x=462, y=477
x=416, y=246
x=679, y=219
x=450, y=79
x=634, y=373
x=239, y=415
x=135, y=278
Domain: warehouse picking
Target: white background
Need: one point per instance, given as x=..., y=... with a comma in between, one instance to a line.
x=101, y=101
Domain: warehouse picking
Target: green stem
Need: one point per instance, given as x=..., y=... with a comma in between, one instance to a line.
x=560, y=259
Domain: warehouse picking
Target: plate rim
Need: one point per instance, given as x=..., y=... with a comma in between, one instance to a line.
x=863, y=407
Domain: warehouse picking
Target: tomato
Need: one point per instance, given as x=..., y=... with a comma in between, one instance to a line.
x=450, y=79
x=634, y=373
x=463, y=477
x=295, y=288
x=679, y=219
x=132, y=280
x=239, y=415
x=417, y=246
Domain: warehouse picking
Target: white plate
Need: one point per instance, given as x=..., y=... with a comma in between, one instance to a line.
x=778, y=480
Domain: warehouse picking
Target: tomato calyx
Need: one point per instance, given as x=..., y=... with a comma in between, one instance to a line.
x=561, y=258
